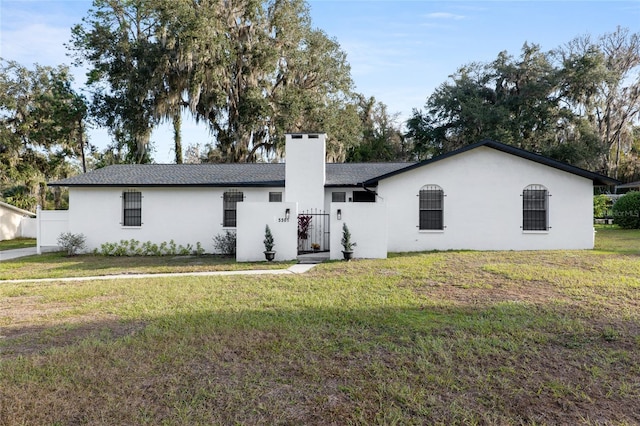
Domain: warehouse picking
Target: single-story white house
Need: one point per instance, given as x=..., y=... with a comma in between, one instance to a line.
x=13, y=223
x=486, y=196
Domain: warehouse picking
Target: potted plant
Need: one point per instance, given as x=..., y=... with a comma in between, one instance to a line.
x=347, y=245
x=269, y=254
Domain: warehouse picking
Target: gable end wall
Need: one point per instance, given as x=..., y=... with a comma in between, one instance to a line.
x=483, y=205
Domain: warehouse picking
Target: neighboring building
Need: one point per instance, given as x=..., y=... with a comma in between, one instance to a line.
x=486, y=196
x=13, y=222
x=627, y=187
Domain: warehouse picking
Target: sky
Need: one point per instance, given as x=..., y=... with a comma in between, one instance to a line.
x=399, y=51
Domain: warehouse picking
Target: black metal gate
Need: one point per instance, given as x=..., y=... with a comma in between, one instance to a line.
x=313, y=231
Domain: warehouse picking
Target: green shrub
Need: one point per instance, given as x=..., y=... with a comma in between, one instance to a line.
x=173, y=249
x=134, y=248
x=225, y=243
x=122, y=248
x=107, y=249
x=150, y=249
x=601, y=206
x=71, y=243
x=626, y=211
x=199, y=249
x=185, y=251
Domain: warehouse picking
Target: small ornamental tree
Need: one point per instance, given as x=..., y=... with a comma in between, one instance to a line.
x=626, y=211
x=268, y=239
x=347, y=245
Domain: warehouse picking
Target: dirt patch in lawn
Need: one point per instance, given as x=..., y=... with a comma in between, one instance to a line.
x=19, y=340
x=533, y=292
x=463, y=279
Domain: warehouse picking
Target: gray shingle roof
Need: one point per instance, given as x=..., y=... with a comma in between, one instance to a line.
x=345, y=174
x=272, y=174
x=237, y=174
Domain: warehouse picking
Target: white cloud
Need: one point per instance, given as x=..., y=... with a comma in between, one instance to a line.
x=445, y=15
x=35, y=32
x=37, y=42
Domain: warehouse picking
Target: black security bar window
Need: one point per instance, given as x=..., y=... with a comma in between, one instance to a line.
x=231, y=199
x=431, y=208
x=132, y=208
x=535, y=208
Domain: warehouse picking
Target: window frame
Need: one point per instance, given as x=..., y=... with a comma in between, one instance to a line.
x=431, y=209
x=364, y=197
x=336, y=195
x=131, y=203
x=535, y=208
x=275, y=197
x=230, y=200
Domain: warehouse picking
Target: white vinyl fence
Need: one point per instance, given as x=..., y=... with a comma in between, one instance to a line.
x=50, y=224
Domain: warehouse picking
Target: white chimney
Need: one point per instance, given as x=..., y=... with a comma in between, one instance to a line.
x=305, y=169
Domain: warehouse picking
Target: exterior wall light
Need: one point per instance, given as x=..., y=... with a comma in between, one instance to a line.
x=339, y=214
x=287, y=214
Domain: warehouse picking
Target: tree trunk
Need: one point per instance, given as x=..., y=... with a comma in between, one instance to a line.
x=81, y=143
x=177, y=136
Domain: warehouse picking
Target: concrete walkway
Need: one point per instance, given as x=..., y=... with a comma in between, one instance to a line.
x=294, y=269
x=299, y=268
x=16, y=253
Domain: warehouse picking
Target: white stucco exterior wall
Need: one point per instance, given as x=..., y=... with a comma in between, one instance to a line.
x=9, y=224
x=483, y=205
x=11, y=219
x=29, y=227
x=252, y=219
x=186, y=215
x=305, y=170
x=367, y=223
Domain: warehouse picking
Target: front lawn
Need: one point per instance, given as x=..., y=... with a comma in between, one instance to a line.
x=57, y=265
x=17, y=243
x=613, y=238
x=426, y=338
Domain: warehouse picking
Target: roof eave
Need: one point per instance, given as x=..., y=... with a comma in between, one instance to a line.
x=597, y=179
x=345, y=185
x=172, y=185
x=17, y=209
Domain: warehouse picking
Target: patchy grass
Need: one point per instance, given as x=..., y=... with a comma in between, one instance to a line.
x=613, y=238
x=57, y=265
x=425, y=338
x=17, y=243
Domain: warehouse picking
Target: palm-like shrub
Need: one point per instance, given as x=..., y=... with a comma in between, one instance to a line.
x=347, y=245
